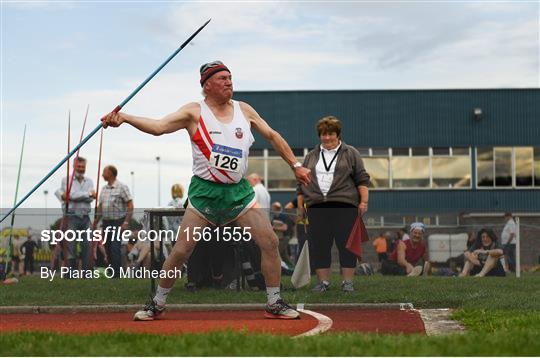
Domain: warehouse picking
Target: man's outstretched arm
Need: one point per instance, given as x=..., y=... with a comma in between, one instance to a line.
x=182, y=118
x=276, y=140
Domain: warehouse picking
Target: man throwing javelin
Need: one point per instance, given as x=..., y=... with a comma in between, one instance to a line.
x=220, y=132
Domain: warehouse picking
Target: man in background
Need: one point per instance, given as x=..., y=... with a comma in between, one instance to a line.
x=282, y=226
x=116, y=209
x=381, y=247
x=409, y=257
x=508, y=241
x=261, y=194
x=81, y=195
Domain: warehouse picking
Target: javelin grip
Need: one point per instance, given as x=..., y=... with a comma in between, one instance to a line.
x=117, y=109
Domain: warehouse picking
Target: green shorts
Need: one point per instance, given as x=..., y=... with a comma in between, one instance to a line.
x=220, y=203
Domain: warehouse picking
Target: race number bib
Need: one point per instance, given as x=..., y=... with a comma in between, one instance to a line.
x=226, y=158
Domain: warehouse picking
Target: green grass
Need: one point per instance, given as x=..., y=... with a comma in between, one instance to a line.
x=238, y=344
x=502, y=317
x=423, y=292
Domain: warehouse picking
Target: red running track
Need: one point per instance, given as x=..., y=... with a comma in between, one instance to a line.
x=385, y=321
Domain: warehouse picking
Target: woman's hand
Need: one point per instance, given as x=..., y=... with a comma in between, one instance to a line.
x=362, y=208
x=301, y=213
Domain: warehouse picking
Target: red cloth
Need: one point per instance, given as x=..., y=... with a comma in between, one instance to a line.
x=357, y=236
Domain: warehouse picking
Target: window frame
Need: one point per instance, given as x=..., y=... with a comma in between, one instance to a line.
x=513, y=169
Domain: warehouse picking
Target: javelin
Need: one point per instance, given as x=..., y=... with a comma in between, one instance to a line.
x=69, y=182
x=116, y=110
x=8, y=259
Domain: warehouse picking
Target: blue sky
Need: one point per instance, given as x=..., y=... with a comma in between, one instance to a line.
x=62, y=56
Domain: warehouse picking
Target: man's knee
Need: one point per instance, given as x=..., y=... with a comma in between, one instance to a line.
x=182, y=252
x=269, y=242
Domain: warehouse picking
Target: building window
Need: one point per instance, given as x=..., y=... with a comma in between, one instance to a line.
x=394, y=221
x=280, y=175
x=299, y=152
x=451, y=171
x=372, y=220
x=423, y=167
x=441, y=150
x=503, y=167
x=484, y=166
x=427, y=220
x=420, y=152
x=410, y=172
x=400, y=152
x=377, y=169
x=524, y=166
x=364, y=152
x=379, y=152
x=508, y=167
x=460, y=151
x=447, y=220
x=537, y=166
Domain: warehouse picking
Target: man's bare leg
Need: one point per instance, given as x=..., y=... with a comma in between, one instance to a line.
x=262, y=233
x=179, y=255
x=185, y=244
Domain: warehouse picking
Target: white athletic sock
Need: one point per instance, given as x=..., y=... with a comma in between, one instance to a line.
x=272, y=295
x=161, y=295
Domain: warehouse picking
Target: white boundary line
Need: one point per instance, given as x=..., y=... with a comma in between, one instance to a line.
x=325, y=323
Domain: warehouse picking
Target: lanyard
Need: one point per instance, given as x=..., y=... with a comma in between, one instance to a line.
x=327, y=167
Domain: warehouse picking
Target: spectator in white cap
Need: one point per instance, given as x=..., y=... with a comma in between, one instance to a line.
x=409, y=257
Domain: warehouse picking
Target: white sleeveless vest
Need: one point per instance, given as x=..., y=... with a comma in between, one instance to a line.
x=220, y=150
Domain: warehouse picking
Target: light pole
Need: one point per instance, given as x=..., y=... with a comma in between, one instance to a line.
x=45, y=192
x=158, y=181
x=133, y=184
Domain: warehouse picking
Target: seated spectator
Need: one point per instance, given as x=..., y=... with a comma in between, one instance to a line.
x=139, y=252
x=483, y=258
x=402, y=234
x=409, y=257
x=301, y=228
x=456, y=263
x=392, y=238
x=282, y=226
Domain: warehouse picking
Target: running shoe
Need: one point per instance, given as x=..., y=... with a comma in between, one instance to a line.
x=281, y=310
x=322, y=286
x=347, y=286
x=150, y=312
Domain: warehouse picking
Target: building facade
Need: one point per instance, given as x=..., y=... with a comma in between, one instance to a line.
x=427, y=151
